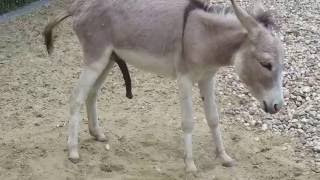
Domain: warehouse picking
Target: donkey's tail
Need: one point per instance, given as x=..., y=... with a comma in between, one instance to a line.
x=47, y=33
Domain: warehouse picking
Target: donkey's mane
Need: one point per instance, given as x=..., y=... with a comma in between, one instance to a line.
x=216, y=9
x=266, y=18
x=219, y=9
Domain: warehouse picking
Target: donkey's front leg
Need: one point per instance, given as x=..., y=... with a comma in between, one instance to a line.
x=212, y=116
x=185, y=92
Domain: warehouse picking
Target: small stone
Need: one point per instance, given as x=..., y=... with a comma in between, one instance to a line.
x=313, y=113
x=264, y=127
x=253, y=123
x=37, y=124
x=28, y=107
x=121, y=138
x=105, y=168
x=204, y=120
x=304, y=120
x=299, y=126
x=306, y=89
x=298, y=172
x=59, y=125
x=259, y=122
x=300, y=131
x=158, y=169
x=277, y=133
x=286, y=93
x=38, y=115
x=236, y=138
x=107, y=147
x=316, y=148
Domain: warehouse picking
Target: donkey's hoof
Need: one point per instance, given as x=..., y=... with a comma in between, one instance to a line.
x=229, y=163
x=74, y=157
x=190, y=167
x=99, y=136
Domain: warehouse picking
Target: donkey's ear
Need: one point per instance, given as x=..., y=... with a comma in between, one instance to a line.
x=263, y=16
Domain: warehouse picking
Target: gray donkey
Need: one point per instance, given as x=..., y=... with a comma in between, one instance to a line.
x=180, y=40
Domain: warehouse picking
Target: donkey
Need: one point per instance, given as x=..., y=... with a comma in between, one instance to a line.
x=156, y=36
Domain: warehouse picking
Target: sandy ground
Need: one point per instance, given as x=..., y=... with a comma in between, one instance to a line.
x=144, y=133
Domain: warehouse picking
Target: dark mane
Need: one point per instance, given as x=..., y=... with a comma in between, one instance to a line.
x=265, y=18
x=192, y=5
x=220, y=9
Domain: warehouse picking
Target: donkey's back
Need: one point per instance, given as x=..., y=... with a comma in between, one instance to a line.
x=154, y=26
x=139, y=31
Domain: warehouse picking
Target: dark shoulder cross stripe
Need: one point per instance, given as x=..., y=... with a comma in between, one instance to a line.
x=193, y=4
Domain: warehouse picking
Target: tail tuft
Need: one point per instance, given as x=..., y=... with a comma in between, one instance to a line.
x=47, y=33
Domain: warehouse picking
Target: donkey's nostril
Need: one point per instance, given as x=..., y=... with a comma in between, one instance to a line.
x=276, y=107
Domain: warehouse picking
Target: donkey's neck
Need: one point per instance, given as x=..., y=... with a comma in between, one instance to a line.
x=221, y=38
x=227, y=44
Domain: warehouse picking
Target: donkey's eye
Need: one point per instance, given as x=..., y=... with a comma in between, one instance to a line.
x=267, y=66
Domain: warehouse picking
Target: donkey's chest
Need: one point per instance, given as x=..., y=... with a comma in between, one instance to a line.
x=163, y=65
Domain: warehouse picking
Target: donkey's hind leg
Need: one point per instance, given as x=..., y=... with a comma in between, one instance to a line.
x=95, y=65
x=93, y=123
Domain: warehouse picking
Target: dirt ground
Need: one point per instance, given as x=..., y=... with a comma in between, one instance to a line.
x=144, y=133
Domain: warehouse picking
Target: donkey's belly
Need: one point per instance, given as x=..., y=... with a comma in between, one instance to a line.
x=160, y=65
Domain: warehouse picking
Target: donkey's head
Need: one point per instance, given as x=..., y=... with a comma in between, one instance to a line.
x=259, y=60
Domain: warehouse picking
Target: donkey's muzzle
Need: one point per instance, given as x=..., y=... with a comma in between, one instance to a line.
x=272, y=108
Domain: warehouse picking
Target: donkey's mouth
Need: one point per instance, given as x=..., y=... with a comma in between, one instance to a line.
x=269, y=110
x=265, y=107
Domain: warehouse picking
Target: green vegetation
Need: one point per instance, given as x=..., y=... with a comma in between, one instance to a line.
x=9, y=5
